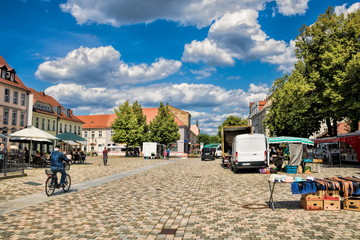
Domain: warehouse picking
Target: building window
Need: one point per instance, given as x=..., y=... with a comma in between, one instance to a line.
x=48, y=124
x=92, y=134
x=54, y=125
x=14, y=117
x=60, y=127
x=37, y=122
x=65, y=128
x=15, y=100
x=23, y=99
x=85, y=134
x=6, y=116
x=7, y=95
x=43, y=124
x=100, y=133
x=22, y=119
x=70, y=128
x=12, y=77
x=3, y=74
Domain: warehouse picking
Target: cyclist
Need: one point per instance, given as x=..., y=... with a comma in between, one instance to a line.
x=57, y=163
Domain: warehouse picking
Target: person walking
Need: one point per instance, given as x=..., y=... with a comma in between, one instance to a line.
x=105, y=156
x=168, y=153
x=57, y=163
x=165, y=154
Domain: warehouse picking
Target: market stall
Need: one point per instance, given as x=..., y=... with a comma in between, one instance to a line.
x=294, y=154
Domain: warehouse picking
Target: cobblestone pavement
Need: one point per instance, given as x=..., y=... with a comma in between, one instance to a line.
x=198, y=199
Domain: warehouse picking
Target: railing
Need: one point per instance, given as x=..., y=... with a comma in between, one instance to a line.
x=12, y=164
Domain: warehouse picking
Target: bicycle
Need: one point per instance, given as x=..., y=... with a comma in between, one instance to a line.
x=52, y=181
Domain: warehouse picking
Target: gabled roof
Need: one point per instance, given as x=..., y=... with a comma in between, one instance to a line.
x=42, y=97
x=195, y=129
x=17, y=83
x=105, y=120
x=97, y=121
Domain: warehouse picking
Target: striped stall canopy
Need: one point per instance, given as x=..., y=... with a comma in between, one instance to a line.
x=290, y=140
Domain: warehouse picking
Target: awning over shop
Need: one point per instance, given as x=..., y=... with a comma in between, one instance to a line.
x=275, y=140
x=69, y=136
x=72, y=143
x=24, y=139
x=353, y=139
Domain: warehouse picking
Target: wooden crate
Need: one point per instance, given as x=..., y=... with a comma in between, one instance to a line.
x=352, y=204
x=331, y=205
x=331, y=195
x=312, y=204
x=313, y=196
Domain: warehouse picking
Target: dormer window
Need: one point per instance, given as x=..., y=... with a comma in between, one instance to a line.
x=8, y=75
x=3, y=73
x=12, y=77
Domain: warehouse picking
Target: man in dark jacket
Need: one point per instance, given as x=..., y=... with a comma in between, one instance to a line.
x=57, y=163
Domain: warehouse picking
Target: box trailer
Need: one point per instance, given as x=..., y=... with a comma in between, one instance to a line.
x=227, y=135
x=152, y=150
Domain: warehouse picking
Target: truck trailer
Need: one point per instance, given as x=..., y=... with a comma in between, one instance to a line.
x=227, y=135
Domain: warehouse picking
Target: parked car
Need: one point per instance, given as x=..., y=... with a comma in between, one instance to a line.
x=207, y=153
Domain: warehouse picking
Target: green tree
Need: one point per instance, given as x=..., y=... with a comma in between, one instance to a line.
x=141, y=119
x=324, y=86
x=232, y=121
x=207, y=139
x=330, y=51
x=204, y=138
x=126, y=126
x=163, y=129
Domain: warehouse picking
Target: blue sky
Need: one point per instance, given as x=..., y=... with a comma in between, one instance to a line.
x=207, y=57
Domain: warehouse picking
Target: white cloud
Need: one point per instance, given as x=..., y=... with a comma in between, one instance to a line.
x=342, y=9
x=214, y=103
x=199, y=13
x=123, y=12
x=102, y=65
x=238, y=36
x=207, y=52
x=204, y=73
x=292, y=7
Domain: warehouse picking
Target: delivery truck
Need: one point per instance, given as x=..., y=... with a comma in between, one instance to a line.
x=227, y=135
x=152, y=150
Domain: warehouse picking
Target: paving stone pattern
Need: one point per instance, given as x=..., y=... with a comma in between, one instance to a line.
x=198, y=199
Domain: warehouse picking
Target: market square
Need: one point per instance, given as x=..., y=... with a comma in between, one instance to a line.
x=197, y=199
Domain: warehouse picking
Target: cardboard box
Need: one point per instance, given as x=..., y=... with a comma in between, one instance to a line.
x=318, y=160
x=331, y=195
x=332, y=205
x=312, y=204
x=352, y=204
x=313, y=196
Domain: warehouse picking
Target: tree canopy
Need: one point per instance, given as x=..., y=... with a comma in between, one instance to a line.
x=163, y=129
x=324, y=86
x=207, y=139
x=232, y=121
x=129, y=126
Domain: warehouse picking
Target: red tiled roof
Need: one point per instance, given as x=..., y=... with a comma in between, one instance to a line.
x=97, y=121
x=105, y=120
x=42, y=97
x=17, y=83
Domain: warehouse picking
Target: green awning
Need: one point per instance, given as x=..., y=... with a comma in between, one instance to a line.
x=274, y=140
x=212, y=145
x=69, y=136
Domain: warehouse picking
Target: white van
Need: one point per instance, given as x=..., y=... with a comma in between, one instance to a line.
x=249, y=151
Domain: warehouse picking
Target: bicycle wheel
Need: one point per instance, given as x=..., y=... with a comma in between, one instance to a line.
x=49, y=186
x=67, y=184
